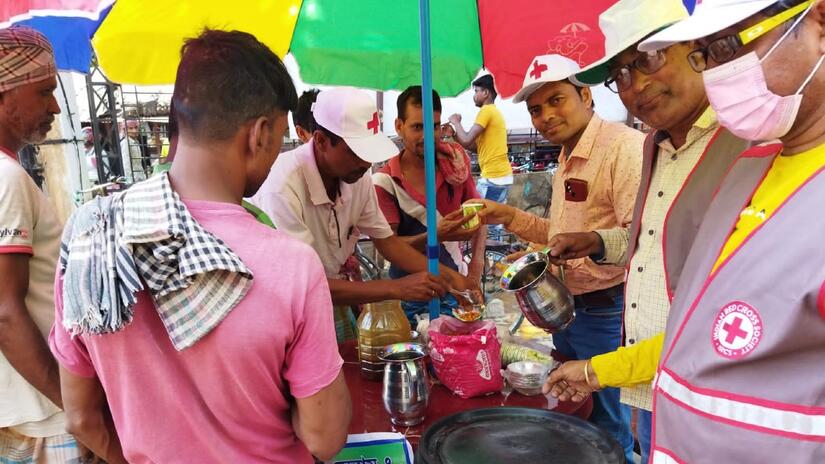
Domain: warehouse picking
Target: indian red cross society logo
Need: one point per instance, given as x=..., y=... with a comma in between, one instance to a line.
x=737, y=330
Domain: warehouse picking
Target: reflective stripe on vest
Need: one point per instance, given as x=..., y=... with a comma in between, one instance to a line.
x=661, y=457
x=748, y=414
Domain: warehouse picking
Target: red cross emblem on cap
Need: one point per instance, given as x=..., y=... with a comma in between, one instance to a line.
x=538, y=69
x=373, y=123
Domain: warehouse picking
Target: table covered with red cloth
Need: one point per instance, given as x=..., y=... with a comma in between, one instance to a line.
x=368, y=414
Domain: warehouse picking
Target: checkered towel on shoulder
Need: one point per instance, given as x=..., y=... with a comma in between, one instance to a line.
x=145, y=235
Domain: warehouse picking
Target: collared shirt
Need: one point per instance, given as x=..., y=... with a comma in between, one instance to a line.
x=646, y=298
x=608, y=157
x=448, y=198
x=295, y=198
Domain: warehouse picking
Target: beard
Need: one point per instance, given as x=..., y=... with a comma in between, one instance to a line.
x=39, y=134
x=31, y=133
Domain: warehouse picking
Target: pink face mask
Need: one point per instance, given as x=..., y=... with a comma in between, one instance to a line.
x=738, y=93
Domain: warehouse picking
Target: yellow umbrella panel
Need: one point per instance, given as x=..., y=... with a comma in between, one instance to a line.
x=140, y=40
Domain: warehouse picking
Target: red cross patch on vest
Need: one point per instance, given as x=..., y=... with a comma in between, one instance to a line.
x=737, y=330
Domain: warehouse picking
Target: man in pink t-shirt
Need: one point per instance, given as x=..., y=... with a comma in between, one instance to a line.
x=265, y=385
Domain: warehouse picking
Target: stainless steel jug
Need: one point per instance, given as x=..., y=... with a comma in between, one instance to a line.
x=542, y=298
x=406, y=390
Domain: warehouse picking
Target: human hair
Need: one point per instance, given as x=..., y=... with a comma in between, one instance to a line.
x=226, y=78
x=172, y=125
x=413, y=95
x=333, y=138
x=302, y=116
x=579, y=91
x=486, y=82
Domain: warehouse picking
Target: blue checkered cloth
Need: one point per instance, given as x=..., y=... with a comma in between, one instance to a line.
x=113, y=246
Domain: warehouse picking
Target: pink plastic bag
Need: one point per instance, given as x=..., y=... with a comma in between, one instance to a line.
x=466, y=356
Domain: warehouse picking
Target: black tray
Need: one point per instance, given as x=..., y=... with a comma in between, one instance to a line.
x=516, y=435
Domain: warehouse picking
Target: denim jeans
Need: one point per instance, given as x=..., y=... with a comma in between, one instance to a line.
x=596, y=331
x=493, y=192
x=644, y=423
x=411, y=308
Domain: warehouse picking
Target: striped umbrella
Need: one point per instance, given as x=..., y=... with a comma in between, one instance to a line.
x=372, y=44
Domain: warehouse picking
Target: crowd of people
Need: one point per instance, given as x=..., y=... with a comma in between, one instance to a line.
x=196, y=316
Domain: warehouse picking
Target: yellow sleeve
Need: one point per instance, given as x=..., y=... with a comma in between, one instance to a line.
x=484, y=115
x=629, y=366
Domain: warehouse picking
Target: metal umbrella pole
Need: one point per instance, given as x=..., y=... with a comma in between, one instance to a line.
x=429, y=147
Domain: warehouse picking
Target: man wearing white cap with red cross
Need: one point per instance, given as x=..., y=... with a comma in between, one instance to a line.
x=745, y=330
x=32, y=425
x=322, y=194
x=594, y=188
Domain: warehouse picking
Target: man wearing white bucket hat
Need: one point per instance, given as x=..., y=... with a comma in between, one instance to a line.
x=685, y=158
x=594, y=188
x=743, y=336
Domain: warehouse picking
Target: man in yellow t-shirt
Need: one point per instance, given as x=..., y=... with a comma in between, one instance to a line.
x=717, y=392
x=636, y=365
x=488, y=137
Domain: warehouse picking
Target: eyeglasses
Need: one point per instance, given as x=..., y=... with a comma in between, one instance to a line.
x=647, y=63
x=725, y=48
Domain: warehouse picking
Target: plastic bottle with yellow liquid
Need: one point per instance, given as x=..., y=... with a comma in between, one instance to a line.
x=380, y=324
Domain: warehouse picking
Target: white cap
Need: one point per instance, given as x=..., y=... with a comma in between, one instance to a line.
x=709, y=17
x=623, y=25
x=352, y=115
x=544, y=69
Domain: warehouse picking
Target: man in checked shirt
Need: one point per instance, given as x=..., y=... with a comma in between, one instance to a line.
x=594, y=187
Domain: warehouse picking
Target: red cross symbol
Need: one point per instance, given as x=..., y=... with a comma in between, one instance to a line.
x=374, y=123
x=734, y=330
x=538, y=69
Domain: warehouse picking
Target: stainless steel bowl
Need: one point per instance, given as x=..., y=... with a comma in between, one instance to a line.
x=527, y=377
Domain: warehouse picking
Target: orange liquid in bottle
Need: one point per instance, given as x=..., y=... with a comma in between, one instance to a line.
x=380, y=324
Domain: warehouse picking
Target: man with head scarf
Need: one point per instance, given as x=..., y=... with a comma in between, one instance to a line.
x=32, y=425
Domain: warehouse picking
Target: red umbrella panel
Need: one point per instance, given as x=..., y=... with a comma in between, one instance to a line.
x=513, y=32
